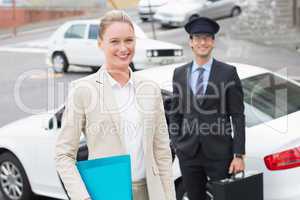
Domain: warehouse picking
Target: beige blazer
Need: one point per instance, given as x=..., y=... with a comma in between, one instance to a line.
x=91, y=110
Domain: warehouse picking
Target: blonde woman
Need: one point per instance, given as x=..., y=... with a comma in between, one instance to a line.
x=119, y=113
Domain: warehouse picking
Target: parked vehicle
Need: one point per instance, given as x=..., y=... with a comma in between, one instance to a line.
x=178, y=13
x=75, y=43
x=272, y=110
x=147, y=8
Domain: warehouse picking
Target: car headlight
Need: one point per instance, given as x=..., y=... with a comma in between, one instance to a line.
x=155, y=53
x=152, y=53
x=178, y=52
x=149, y=53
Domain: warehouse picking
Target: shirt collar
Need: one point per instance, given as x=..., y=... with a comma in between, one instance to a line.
x=206, y=66
x=114, y=83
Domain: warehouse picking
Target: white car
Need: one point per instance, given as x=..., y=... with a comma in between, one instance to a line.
x=178, y=13
x=75, y=43
x=147, y=8
x=272, y=139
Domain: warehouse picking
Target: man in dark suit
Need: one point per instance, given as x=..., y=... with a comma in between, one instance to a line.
x=207, y=122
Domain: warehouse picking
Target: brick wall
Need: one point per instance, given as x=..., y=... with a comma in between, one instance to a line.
x=26, y=15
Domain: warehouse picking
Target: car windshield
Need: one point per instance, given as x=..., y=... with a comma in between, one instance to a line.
x=269, y=97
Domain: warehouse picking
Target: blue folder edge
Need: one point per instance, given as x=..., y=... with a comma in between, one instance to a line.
x=106, y=161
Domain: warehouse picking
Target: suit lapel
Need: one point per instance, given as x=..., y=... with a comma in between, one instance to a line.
x=188, y=93
x=109, y=102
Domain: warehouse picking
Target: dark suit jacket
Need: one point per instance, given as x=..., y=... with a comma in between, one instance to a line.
x=207, y=122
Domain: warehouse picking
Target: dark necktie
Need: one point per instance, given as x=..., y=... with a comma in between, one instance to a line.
x=200, y=84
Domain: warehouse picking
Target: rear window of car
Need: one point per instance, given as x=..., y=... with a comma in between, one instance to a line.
x=93, y=32
x=76, y=31
x=268, y=97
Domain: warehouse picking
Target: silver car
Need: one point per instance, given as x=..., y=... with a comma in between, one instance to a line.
x=178, y=13
x=147, y=8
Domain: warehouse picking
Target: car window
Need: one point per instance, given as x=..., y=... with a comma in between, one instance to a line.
x=93, y=32
x=76, y=31
x=59, y=115
x=268, y=97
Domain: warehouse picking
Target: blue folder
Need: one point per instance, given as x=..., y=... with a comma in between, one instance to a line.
x=107, y=178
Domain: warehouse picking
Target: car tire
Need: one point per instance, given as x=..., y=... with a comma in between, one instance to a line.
x=180, y=191
x=132, y=67
x=144, y=19
x=14, y=183
x=235, y=11
x=193, y=17
x=95, y=69
x=60, y=63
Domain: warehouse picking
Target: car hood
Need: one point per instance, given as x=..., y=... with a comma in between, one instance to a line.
x=155, y=44
x=27, y=126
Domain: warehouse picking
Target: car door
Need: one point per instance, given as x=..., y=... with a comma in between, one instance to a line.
x=45, y=144
x=73, y=43
x=215, y=8
x=94, y=55
x=224, y=7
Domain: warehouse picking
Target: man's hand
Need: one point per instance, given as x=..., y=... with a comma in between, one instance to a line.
x=237, y=165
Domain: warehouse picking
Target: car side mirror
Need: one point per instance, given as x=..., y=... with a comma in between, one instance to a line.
x=50, y=123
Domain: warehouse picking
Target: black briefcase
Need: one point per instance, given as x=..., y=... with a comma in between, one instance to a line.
x=247, y=187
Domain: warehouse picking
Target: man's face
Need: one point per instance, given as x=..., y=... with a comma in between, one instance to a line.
x=202, y=44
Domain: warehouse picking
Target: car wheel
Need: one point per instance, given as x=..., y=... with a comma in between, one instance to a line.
x=60, y=63
x=193, y=17
x=180, y=191
x=235, y=12
x=144, y=19
x=131, y=65
x=13, y=180
x=95, y=69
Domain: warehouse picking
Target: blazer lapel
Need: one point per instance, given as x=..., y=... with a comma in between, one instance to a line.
x=141, y=107
x=110, y=104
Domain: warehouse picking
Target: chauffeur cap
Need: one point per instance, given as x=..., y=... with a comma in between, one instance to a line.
x=202, y=25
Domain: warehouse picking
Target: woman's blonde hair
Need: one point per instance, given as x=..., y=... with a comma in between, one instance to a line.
x=111, y=17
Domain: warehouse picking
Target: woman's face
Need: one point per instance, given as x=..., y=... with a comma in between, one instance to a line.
x=118, y=45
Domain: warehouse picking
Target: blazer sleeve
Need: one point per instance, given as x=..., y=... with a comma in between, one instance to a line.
x=162, y=152
x=235, y=108
x=67, y=145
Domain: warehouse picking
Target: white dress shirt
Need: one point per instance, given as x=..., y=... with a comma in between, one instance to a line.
x=131, y=125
